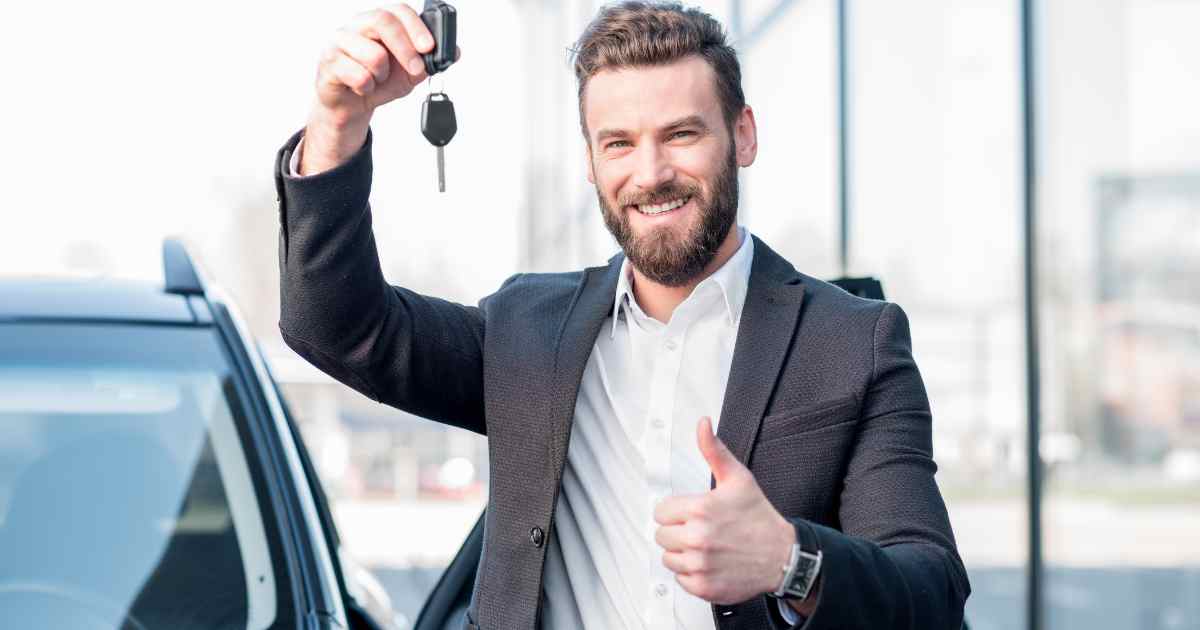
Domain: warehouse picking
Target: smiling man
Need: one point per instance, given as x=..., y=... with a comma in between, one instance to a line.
x=694, y=435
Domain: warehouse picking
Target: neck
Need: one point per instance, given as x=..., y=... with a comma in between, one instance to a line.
x=659, y=300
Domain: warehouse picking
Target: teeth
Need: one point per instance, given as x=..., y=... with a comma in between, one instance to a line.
x=661, y=208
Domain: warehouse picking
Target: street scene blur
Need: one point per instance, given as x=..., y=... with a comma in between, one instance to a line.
x=904, y=119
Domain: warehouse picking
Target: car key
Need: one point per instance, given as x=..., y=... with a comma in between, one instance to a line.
x=438, y=125
x=441, y=20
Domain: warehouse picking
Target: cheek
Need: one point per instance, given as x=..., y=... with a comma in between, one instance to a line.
x=608, y=180
x=695, y=164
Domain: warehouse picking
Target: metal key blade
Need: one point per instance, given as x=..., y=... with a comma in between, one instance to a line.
x=438, y=124
x=441, y=166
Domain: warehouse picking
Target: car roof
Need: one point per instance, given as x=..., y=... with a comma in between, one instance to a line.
x=95, y=299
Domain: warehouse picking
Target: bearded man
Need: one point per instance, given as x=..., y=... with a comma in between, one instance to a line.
x=694, y=435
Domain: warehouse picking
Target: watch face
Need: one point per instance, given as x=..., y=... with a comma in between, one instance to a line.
x=807, y=566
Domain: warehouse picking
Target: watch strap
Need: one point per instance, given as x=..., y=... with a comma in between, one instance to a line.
x=804, y=565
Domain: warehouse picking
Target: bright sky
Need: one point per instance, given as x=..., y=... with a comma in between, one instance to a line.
x=126, y=122
x=123, y=123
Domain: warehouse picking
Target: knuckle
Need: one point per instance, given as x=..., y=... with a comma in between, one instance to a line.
x=405, y=10
x=377, y=62
x=357, y=79
x=382, y=17
x=329, y=54
x=377, y=57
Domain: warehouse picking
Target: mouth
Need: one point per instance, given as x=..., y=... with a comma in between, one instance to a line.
x=652, y=210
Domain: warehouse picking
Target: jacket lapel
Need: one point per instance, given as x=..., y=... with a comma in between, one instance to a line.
x=591, y=304
x=773, y=300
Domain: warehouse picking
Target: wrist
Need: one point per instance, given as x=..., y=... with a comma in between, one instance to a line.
x=803, y=569
x=330, y=139
x=781, y=556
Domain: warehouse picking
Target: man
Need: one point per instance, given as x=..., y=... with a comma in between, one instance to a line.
x=612, y=504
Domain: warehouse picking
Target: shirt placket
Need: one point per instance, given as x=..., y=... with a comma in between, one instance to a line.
x=660, y=416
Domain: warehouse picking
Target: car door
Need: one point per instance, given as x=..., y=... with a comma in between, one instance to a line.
x=367, y=608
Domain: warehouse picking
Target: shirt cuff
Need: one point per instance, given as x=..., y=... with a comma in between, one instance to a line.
x=789, y=614
x=294, y=163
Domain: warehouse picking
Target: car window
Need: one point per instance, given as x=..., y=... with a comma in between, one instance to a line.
x=125, y=491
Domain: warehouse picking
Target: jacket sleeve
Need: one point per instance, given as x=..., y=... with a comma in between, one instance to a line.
x=894, y=563
x=414, y=352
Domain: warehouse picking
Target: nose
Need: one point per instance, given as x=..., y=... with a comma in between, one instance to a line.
x=653, y=166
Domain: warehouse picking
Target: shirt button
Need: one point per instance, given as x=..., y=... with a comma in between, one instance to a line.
x=536, y=536
x=670, y=345
x=658, y=423
x=660, y=590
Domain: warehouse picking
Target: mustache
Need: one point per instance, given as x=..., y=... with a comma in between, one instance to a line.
x=662, y=194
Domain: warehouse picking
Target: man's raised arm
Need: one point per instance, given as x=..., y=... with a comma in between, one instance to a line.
x=411, y=351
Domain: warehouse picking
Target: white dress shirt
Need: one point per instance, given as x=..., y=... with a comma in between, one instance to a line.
x=633, y=443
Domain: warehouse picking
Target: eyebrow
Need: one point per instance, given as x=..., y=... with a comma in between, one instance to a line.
x=687, y=121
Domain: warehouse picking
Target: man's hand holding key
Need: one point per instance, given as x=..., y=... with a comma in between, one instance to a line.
x=373, y=60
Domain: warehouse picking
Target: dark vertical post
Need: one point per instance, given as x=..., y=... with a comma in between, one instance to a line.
x=843, y=143
x=1034, y=612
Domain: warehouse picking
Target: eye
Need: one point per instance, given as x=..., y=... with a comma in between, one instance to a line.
x=615, y=144
x=682, y=132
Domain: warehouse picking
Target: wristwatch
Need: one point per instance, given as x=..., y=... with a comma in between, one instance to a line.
x=801, y=571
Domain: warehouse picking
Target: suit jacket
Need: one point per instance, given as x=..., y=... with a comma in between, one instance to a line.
x=824, y=404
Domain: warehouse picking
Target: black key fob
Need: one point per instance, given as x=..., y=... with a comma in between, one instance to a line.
x=437, y=119
x=440, y=19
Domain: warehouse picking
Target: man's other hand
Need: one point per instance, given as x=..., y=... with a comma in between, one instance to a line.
x=729, y=544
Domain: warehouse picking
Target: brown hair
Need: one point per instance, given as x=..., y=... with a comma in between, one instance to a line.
x=635, y=33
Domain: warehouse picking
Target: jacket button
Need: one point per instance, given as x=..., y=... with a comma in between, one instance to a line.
x=537, y=536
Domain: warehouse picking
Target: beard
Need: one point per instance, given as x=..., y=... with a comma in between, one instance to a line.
x=661, y=254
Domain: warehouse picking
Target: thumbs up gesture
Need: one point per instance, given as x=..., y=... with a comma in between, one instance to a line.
x=729, y=544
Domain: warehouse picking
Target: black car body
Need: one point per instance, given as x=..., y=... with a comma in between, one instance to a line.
x=150, y=473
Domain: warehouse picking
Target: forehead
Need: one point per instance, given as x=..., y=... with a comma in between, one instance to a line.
x=647, y=97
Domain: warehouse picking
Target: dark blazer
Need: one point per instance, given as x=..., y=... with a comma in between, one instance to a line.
x=824, y=404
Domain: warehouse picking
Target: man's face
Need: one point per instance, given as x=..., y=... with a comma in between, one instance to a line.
x=665, y=164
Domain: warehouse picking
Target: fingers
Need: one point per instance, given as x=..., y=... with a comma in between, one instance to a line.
x=348, y=72
x=686, y=562
x=679, y=509
x=365, y=52
x=691, y=536
x=418, y=34
x=400, y=30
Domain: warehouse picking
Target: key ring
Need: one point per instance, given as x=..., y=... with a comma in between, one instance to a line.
x=441, y=85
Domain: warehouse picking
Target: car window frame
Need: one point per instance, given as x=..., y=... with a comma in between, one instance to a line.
x=310, y=593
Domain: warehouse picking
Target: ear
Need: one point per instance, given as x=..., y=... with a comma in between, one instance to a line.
x=591, y=173
x=745, y=135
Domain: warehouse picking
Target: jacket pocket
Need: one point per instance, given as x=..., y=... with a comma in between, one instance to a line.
x=807, y=418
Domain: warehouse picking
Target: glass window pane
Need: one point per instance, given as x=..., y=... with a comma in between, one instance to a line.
x=789, y=75
x=125, y=492
x=935, y=190
x=1120, y=293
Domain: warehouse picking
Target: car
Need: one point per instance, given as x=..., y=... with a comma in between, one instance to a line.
x=151, y=475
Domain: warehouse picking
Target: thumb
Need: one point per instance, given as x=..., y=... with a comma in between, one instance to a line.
x=720, y=460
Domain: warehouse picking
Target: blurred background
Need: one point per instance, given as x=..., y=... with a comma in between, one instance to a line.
x=894, y=142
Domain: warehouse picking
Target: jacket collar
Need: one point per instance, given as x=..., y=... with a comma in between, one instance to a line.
x=773, y=301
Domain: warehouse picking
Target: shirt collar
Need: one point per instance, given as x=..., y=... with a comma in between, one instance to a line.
x=733, y=279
